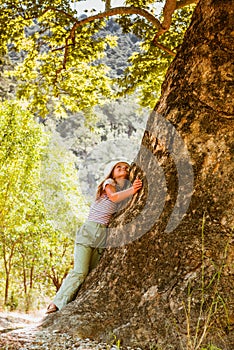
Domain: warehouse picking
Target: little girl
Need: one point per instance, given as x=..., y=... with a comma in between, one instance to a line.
x=90, y=239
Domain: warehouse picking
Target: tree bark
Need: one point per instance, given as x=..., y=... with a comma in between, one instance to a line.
x=173, y=288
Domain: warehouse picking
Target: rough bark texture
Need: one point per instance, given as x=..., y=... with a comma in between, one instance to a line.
x=142, y=291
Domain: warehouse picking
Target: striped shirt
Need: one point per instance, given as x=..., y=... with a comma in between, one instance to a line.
x=103, y=208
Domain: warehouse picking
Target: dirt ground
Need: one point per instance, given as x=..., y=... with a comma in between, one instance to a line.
x=20, y=332
x=18, y=329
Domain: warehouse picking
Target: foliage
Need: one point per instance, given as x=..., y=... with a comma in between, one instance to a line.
x=60, y=189
x=41, y=74
x=212, y=305
x=61, y=65
x=211, y=347
x=43, y=204
x=20, y=207
x=117, y=57
x=148, y=67
x=33, y=250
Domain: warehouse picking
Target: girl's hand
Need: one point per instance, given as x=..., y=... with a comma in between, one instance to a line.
x=137, y=184
x=121, y=195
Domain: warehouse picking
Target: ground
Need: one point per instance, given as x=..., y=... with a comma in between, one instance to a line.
x=20, y=331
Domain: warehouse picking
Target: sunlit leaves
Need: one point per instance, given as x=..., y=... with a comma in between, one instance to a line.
x=59, y=70
x=60, y=190
x=26, y=228
x=20, y=211
x=140, y=3
x=20, y=146
x=147, y=68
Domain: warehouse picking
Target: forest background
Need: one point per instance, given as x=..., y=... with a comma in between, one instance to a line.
x=54, y=145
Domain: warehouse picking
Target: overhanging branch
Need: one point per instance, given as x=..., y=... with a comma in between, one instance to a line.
x=112, y=12
x=121, y=11
x=169, y=8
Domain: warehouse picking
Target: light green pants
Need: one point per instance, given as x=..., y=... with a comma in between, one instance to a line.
x=85, y=259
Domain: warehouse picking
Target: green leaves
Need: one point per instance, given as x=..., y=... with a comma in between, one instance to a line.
x=148, y=67
x=38, y=181
x=60, y=69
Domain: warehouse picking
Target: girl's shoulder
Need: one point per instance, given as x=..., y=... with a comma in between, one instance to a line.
x=109, y=181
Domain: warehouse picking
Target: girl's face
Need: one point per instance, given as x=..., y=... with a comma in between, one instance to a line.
x=121, y=171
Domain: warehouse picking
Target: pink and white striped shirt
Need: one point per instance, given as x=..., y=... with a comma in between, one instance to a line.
x=103, y=208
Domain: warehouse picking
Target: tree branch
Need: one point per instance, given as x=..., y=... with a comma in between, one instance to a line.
x=121, y=11
x=164, y=48
x=111, y=12
x=107, y=5
x=61, y=47
x=168, y=10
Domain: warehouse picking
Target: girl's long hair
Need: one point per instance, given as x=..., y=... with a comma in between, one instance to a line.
x=100, y=189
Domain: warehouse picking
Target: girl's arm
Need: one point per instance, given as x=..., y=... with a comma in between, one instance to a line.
x=121, y=195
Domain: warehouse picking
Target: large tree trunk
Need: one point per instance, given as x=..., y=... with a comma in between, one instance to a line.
x=174, y=288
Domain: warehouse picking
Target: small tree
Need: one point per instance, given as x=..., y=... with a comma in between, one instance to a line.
x=21, y=144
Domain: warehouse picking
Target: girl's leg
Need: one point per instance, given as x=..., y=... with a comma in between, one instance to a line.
x=98, y=250
x=71, y=284
x=96, y=256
